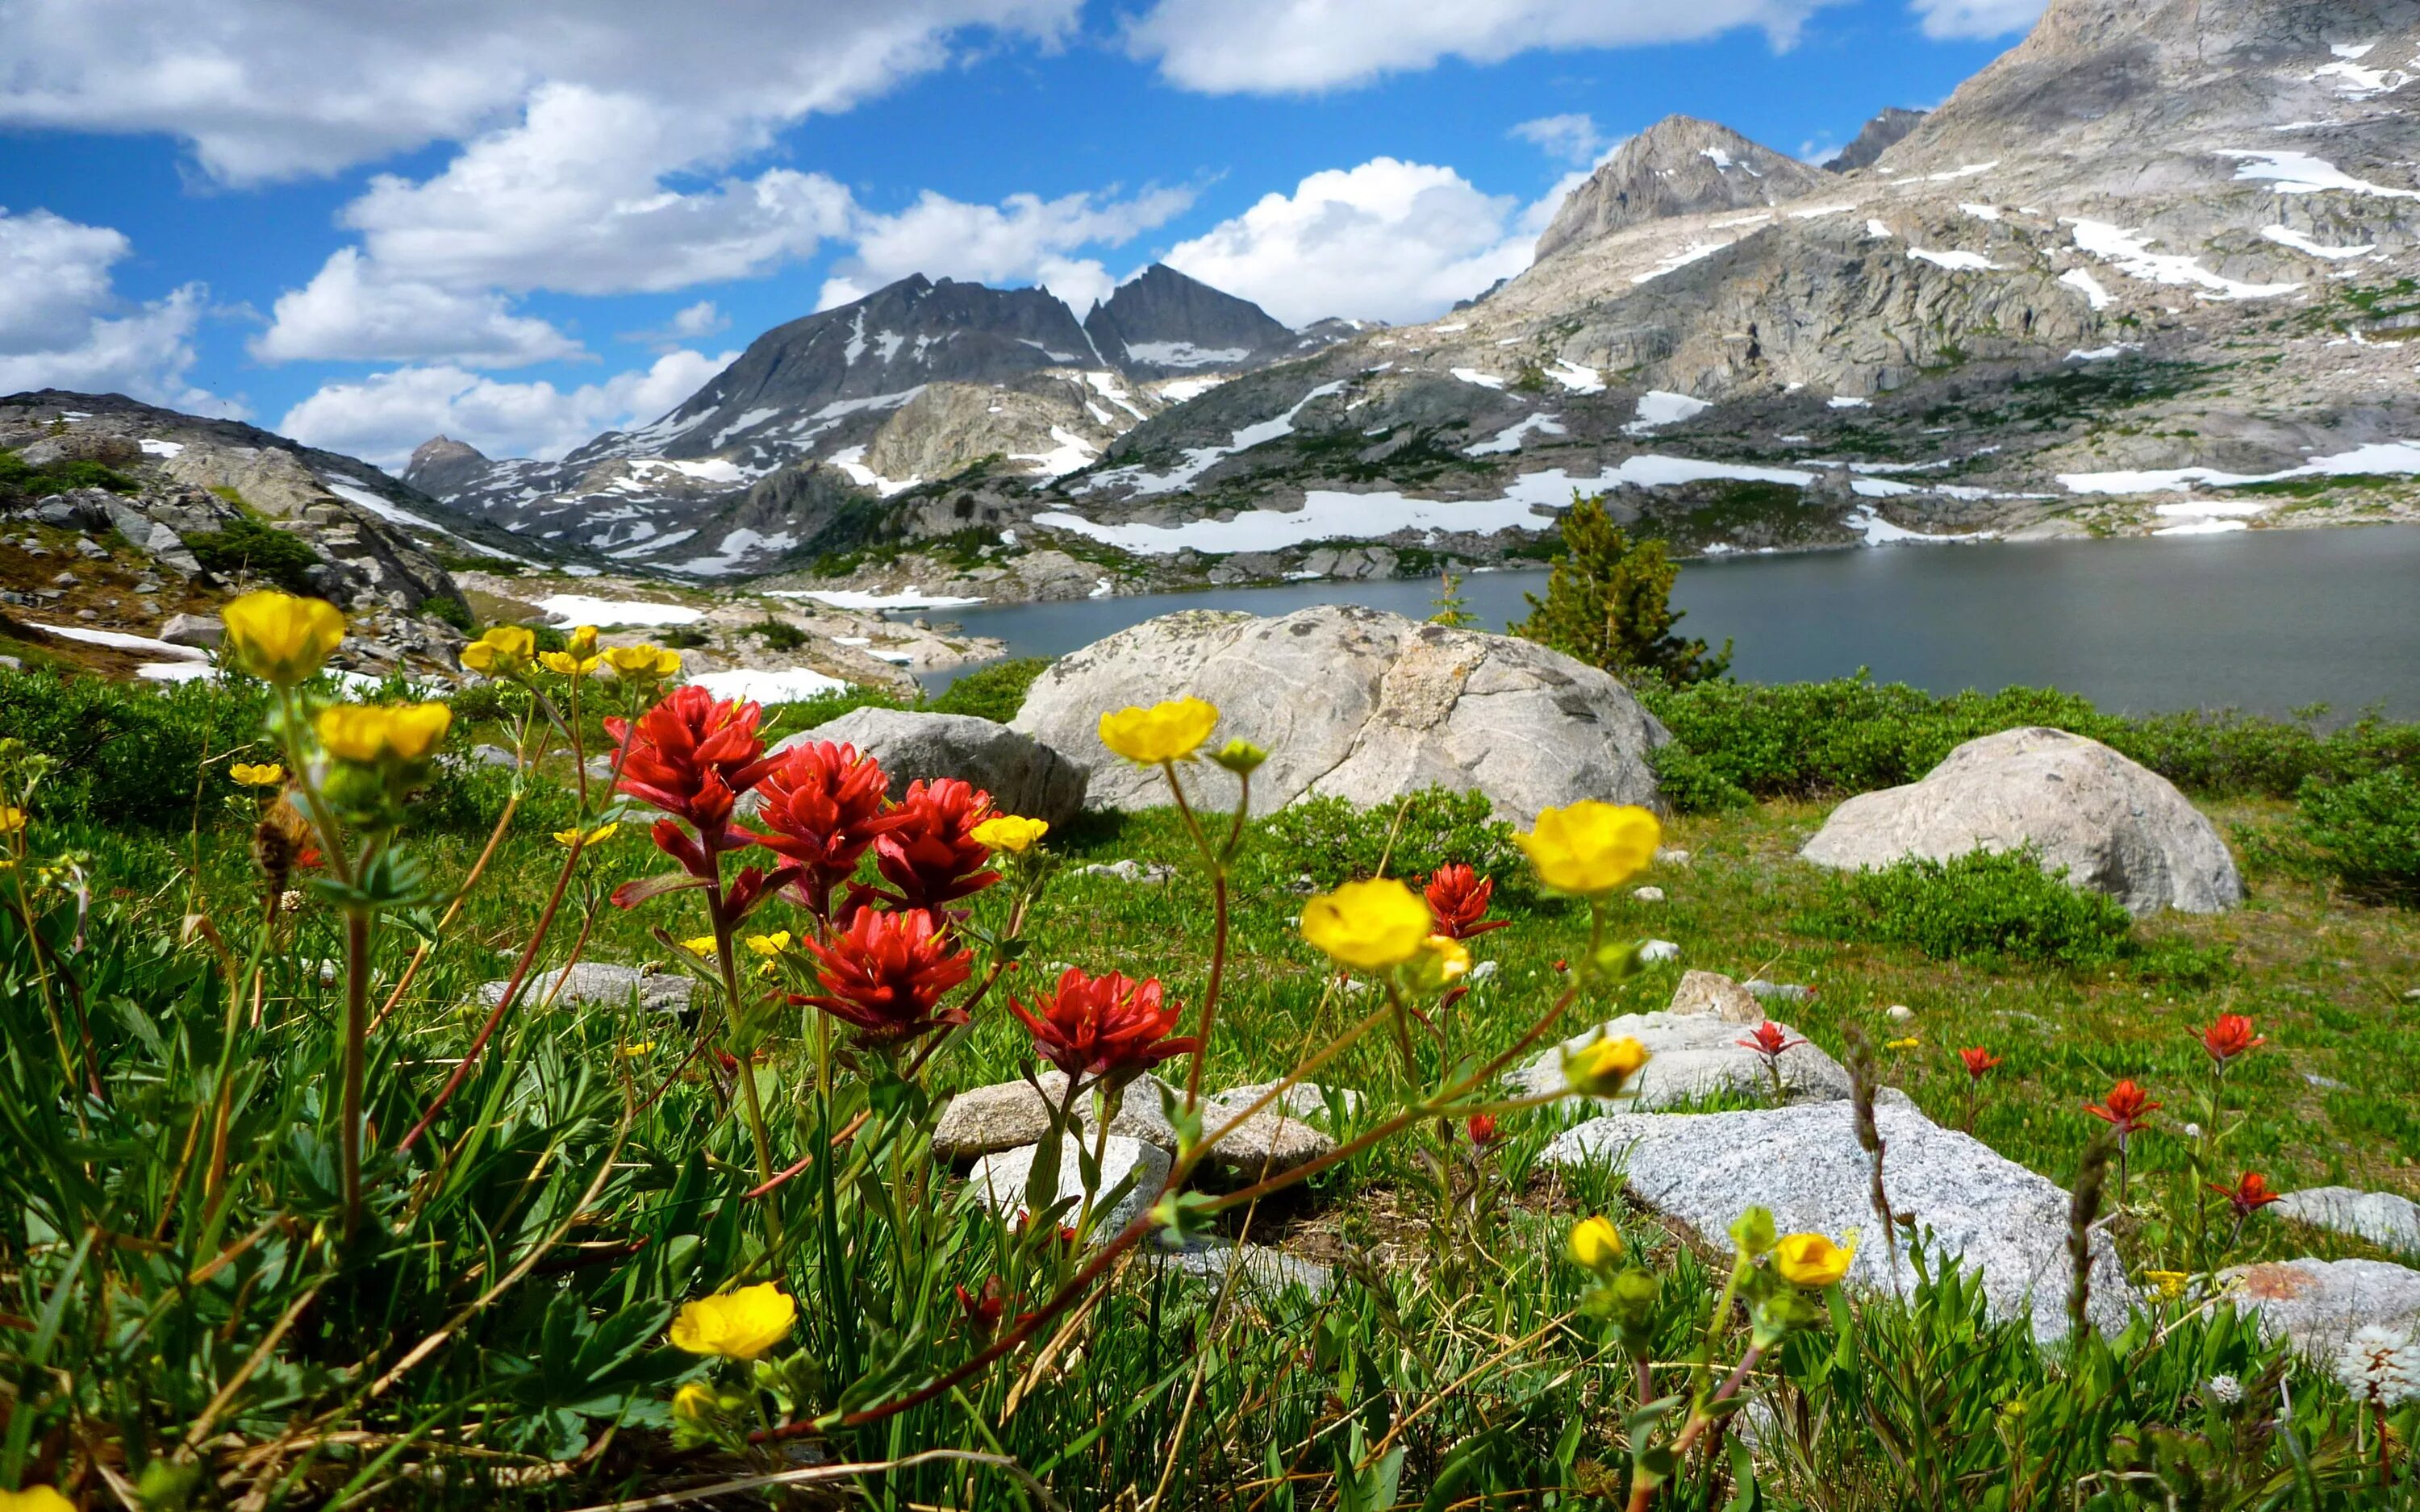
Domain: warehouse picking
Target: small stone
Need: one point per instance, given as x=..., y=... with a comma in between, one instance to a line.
x=1656, y=951
x=2325, y=1084
x=65, y=580
x=1666, y=855
x=1487, y=969
x=1150, y=874
x=1780, y=992
x=487, y=755
x=204, y=631
x=1649, y=895
x=1306, y=1100
x=12, y=664
x=1898, y=1013
x=990, y=1120
x=1256, y=1266
x=87, y=615
x=1272, y=1141
x=601, y=984
x=2412, y=996
x=1693, y=1056
x=90, y=549
x=999, y=1180
x=1712, y=992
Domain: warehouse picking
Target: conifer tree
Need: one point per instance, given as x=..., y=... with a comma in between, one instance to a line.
x=1608, y=603
x=1450, y=611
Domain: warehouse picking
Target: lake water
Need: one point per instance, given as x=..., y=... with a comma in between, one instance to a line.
x=2265, y=620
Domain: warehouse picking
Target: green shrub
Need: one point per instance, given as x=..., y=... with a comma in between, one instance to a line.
x=246, y=547
x=1979, y=908
x=2365, y=832
x=778, y=634
x=1332, y=841
x=467, y=797
x=995, y=692
x=128, y=754
x=20, y=480
x=806, y=714
x=683, y=638
x=452, y=611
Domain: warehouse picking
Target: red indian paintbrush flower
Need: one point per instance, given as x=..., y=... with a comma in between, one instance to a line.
x=1105, y=1026
x=2249, y=1194
x=691, y=756
x=2128, y=1110
x=1979, y=1062
x=2230, y=1037
x=885, y=974
x=822, y=807
x=1769, y=1040
x=1482, y=1129
x=932, y=858
x=1458, y=903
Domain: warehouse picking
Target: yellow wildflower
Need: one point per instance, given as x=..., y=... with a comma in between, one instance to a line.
x=769, y=945
x=1599, y=1067
x=702, y=944
x=34, y=1499
x=1595, y=1244
x=1441, y=962
x=1011, y=834
x=595, y=837
x=632, y=1052
x=738, y=1325
x=1908, y=1043
x=12, y=819
x=1591, y=848
x=1813, y=1259
x=1163, y=732
x=694, y=1403
x=581, y=641
x=567, y=664
x=265, y=775
x=642, y=663
x=503, y=651
x=2171, y=1283
x=369, y=735
x=281, y=639
x=1372, y=925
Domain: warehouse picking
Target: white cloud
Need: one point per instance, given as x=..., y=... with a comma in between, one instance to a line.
x=699, y=319
x=275, y=89
x=1023, y=240
x=383, y=417
x=1388, y=240
x=1947, y=19
x=1280, y=46
x=1572, y=138
x=63, y=326
x=354, y=310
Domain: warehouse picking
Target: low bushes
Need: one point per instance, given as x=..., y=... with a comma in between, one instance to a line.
x=1979, y=908
x=996, y=692
x=245, y=548
x=2365, y=833
x=127, y=756
x=1331, y=842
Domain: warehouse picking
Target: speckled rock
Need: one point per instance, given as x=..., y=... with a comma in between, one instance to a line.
x=1696, y=1057
x=2318, y=1305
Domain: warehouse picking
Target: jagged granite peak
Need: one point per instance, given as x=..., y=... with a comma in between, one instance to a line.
x=1880, y=135
x=441, y=464
x=1680, y=165
x=1161, y=323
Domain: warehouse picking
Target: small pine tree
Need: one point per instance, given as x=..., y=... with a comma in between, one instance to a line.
x=1609, y=603
x=1452, y=612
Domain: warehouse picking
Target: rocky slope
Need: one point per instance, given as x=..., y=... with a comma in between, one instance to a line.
x=919, y=380
x=1879, y=136
x=1678, y=166
x=122, y=517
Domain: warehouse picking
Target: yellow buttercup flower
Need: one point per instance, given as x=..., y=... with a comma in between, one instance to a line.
x=2171, y=1283
x=1599, y=1067
x=1595, y=1244
x=1441, y=962
x=1011, y=834
x=1813, y=1259
x=34, y=1499
x=265, y=775
x=738, y=1325
x=595, y=837
x=566, y=663
x=701, y=945
x=1372, y=925
x=1908, y=1043
x=503, y=651
x=581, y=641
x=371, y=735
x=1163, y=732
x=769, y=945
x=281, y=639
x=632, y=1052
x=642, y=663
x=12, y=819
x=694, y=1403
x=1591, y=848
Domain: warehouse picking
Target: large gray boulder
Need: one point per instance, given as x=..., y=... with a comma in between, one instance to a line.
x=2319, y=1304
x=2115, y=826
x=1360, y=704
x=2008, y=1224
x=1022, y=775
x=2383, y=1218
x=1695, y=1057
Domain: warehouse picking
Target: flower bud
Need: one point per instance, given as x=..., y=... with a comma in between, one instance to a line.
x=1594, y=1245
x=1599, y=1067
x=1240, y=756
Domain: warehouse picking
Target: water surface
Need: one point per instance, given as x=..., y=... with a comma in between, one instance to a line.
x=2265, y=620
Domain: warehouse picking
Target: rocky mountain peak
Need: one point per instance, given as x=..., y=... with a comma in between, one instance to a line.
x=1880, y=135
x=1162, y=323
x=441, y=463
x=1680, y=165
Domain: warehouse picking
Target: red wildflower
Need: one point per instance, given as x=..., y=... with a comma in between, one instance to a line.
x=2230, y=1036
x=1482, y=1129
x=1103, y=1026
x=692, y=756
x=933, y=857
x=885, y=974
x=1458, y=903
x=2249, y=1194
x=2128, y=1110
x=1769, y=1040
x=823, y=805
x=1979, y=1062
x=984, y=1308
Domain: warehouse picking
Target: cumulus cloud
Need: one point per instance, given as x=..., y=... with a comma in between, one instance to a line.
x=1388, y=240
x=1285, y=46
x=381, y=417
x=1947, y=19
x=1023, y=240
x=1572, y=138
x=355, y=310
x=275, y=89
x=62, y=324
x=691, y=322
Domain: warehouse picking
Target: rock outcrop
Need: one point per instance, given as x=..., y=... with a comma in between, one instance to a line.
x=2383, y=1218
x=1678, y=166
x=2115, y=827
x=2318, y=1305
x=1697, y=1057
x=1358, y=703
x=1880, y=135
x=2006, y=1222
x=1023, y=776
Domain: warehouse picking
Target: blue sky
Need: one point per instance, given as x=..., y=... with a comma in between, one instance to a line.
x=521, y=221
